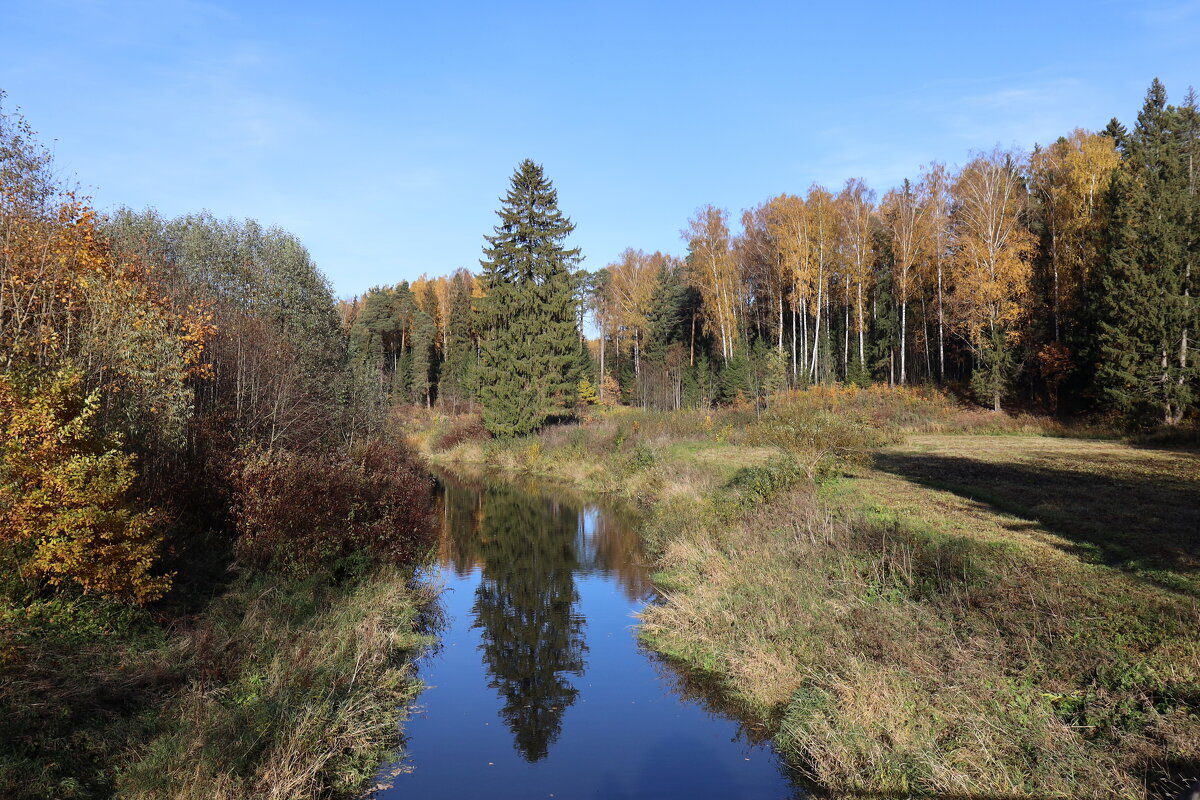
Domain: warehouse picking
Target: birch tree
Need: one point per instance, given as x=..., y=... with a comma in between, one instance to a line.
x=857, y=204
x=993, y=251
x=713, y=271
x=905, y=218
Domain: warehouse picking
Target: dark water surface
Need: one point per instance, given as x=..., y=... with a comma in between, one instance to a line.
x=539, y=688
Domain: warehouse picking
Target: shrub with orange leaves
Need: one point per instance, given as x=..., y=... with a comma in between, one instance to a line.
x=64, y=505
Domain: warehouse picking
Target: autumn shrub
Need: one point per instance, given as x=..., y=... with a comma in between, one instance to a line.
x=470, y=429
x=298, y=510
x=65, y=500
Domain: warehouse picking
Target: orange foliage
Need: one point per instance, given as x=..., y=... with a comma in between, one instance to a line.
x=66, y=296
x=993, y=248
x=63, y=493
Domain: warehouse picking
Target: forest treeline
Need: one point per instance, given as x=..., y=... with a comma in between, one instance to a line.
x=159, y=375
x=1061, y=281
x=162, y=381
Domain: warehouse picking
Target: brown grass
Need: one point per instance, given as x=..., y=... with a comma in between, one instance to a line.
x=294, y=693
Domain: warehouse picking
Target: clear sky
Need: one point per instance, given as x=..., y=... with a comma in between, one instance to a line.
x=382, y=133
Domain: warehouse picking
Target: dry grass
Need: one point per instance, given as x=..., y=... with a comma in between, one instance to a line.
x=282, y=687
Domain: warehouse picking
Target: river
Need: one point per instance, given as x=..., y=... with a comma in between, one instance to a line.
x=538, y=687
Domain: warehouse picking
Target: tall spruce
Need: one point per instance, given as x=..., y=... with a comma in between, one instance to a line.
x=1147, y=303
x=665, y=357
x=424, y=354
x=460, y=347
x=529, y=360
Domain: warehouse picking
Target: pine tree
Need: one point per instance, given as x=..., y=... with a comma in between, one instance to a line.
x=529, y=370
x=1147, y=304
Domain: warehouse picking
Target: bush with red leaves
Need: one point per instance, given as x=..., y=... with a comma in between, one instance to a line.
x=470, y=429
x=297, y=511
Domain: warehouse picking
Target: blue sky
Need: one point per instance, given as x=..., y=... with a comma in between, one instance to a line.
x=382, y=133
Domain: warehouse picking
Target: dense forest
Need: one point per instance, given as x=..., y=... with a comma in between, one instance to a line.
x=1058, y=281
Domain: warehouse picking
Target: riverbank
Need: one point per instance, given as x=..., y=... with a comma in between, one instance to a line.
x=279, y=687
x=920, y=599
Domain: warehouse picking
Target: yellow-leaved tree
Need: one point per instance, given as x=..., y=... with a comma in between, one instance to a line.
x=787, y=225
x=905, y=218
x=857, y=204
x=992, y=251
x=64, y=492
x=713, y=270
x=1069, y=179
x=630, y=289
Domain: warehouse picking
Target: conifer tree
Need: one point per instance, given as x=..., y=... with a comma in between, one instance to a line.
x=460, y=349
x=424, y=333
x=432, y=306
x=375, y=338
x=529, y=360
x=664, y=353
x=668, y=309
x=1148, y=312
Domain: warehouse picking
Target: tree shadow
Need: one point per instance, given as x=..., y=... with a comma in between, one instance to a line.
x=1147, y=527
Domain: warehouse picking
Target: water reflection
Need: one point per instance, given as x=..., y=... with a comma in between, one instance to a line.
x=538, y=687
x=532, y=640
x=528, y=548
x=605, y=543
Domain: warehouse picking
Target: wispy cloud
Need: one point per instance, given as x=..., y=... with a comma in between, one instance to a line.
x=1171, y=24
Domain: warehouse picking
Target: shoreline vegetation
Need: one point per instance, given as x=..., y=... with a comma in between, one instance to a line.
x=278, y=688
x=918, y=598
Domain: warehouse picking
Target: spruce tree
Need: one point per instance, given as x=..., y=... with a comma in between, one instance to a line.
x=433, y=309
x=1116, y=131
x=668, y=310
x=460, y=347
x=424, y=332
x=529, y=360
x=1147, y=303
x=374, y=338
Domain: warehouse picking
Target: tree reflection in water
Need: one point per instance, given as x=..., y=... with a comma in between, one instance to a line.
x=532, y=640
x=525, y=564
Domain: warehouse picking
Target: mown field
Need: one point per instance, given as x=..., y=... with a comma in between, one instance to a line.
x=918, y=598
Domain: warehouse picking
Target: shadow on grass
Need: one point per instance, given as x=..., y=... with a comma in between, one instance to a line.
x=1147, y=527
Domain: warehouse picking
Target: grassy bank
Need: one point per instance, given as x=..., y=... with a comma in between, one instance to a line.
x=279, y=688
x=920, y=598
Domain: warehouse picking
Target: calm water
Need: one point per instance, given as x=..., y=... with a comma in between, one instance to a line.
x=539, y=688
